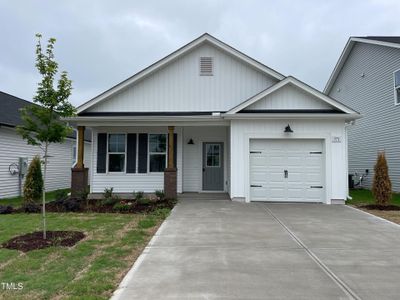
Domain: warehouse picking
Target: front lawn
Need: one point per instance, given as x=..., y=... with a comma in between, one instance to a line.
x=92, y=269
x=17, y=201
x=364, y=196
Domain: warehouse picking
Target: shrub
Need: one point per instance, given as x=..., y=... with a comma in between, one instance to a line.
x=110, y=201
x=61, y=194
x=122, y=206
x=160, y=194
x=84, y=195
x=138, y=195
x=33, y=187
x=108, y=193
x=143, y=201
x=381, y=185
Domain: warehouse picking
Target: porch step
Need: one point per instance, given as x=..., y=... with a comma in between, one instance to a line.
x=204, y=196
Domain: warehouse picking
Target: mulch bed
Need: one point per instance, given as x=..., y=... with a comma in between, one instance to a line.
x=93, y=205
x=380, y=207
x=34, y=240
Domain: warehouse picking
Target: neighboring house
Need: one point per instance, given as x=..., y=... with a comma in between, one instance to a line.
x=367, y=78
x=233, y=125
x=13, y=147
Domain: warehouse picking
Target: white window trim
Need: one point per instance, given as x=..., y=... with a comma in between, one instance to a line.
x=107, y=158
x=149, y=153
x=219, y=160
x=74, y=153
x=396, y=99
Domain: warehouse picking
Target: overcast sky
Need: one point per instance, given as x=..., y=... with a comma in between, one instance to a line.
x=100, y=43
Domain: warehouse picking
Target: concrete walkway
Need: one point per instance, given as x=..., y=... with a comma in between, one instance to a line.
x=226, y=250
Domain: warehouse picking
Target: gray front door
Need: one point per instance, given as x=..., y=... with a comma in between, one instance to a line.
x=213, y=166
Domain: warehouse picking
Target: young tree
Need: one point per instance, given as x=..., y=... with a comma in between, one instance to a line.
x=381, y=185
x=33, y=187
x=42, y=125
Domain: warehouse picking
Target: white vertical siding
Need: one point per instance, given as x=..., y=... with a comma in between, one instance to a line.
x=179, y=86
x=12, y=146
x=365, y=83
x=243, y=130
x=289, y=97
x=129, y=182
x=193, y=155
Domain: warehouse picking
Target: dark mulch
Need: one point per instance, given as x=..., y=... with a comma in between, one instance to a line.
x=34, y=240
x=380, y=207
x=6, y=209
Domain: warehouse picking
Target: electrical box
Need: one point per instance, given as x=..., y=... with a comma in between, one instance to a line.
x=23, y=165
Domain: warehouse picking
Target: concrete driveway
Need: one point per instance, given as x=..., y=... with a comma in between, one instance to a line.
x=226, y=250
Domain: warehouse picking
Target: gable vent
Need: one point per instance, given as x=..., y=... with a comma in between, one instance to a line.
x=206, y=66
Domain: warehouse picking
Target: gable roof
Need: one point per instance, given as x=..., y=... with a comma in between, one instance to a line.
x=386, y=41
x=205, y=38
x=297, y=83
x=10, y=113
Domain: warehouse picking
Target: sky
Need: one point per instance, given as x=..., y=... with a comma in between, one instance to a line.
x=100, y=43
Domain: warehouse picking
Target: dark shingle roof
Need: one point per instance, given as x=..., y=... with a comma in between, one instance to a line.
x=10, y=112
x=389, y=39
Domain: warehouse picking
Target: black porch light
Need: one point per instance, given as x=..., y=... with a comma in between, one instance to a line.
x=288, y=129
x=191, y=142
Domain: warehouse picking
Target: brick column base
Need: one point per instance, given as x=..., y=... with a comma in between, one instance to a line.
x=170, y=189
x=79, y=181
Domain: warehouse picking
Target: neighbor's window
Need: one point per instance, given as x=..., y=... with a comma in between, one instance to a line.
x=157, y=152
x=116, y=152
x=397, y=87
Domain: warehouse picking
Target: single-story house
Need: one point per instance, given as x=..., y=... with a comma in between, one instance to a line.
x=208, y=118
x=16, y=154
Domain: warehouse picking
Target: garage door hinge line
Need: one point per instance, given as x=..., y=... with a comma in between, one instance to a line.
x=346, y=289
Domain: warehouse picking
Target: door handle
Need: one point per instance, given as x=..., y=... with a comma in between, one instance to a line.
x=286, y=173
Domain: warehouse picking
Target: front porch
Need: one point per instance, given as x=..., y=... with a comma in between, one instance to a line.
x=175, y=159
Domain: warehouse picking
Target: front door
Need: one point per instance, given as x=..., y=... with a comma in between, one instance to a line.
x=213, y=167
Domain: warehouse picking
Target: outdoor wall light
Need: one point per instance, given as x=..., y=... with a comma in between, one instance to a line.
x=288, y=129
x=191, y=142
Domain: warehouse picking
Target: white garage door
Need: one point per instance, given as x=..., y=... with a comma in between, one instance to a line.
x=287, y=170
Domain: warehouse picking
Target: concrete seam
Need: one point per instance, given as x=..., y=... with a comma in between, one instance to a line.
x=343, y=286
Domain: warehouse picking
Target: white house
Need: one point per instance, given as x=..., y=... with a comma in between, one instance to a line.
x=210, y=118
x=14, y=150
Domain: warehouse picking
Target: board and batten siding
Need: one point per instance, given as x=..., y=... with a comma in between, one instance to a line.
x=242, y=131
x=12, y=146
x=193, y=155
x=365, y=83
x=289, y=97
x=123, y=182
x=179, y=86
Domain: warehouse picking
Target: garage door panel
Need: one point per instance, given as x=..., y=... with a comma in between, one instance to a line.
x=303, y=159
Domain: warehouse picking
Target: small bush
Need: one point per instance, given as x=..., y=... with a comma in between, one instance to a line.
x=33, y=187
x=110, y=201
x=381, y=185
x=143, y=201
x=138, y=195
x=61, y=194
x=108, y=192
x=160, y=194
x=123, y=206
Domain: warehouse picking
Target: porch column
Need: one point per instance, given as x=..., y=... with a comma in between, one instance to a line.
x=170, y=182
x=79, y=176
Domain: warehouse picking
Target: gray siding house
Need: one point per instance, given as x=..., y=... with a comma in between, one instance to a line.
x=367, y=78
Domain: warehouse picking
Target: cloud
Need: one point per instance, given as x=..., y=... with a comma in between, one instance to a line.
x=101, y=43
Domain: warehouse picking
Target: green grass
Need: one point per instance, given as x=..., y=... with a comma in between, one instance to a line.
x=364, y=196
x=17, y=201
x=92, y=269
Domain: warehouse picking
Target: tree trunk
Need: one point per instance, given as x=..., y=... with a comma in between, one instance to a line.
x=44, y=191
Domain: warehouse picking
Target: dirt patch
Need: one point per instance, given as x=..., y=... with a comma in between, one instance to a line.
x=380, y=207
x=393, y=215
x=34, y=240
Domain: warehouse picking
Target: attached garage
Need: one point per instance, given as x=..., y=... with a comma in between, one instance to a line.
x=287, y=170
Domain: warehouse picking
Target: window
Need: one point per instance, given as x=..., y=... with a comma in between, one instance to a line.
x=397, y=87
x=206, y=66
x=157, y=152
x=213, y=155
x=116, y=152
